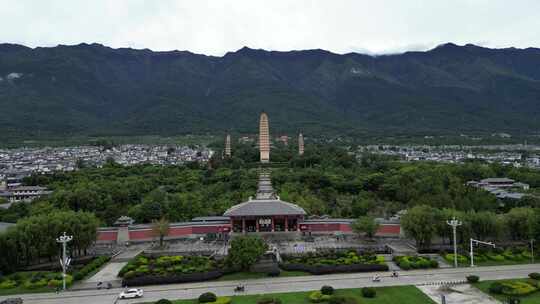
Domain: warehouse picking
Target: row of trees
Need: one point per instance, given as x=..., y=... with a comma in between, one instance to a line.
x=333, y=182
x=33, y=238
x=423, y=223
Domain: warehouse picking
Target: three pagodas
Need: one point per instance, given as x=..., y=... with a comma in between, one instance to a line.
x=264, y=141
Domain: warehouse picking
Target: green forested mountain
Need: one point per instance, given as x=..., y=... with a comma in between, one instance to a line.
x=96, y=90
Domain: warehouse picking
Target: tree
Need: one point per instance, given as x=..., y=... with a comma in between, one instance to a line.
x=245, y=251
x=420, y=224
x=160, y=228
x=520, y=223
x=367, y=225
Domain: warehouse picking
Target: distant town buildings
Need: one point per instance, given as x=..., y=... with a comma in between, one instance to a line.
x=23, y=193
x=503, y=154
x=501, y=187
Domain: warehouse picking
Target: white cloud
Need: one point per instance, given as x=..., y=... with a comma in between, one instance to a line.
x=215, y=27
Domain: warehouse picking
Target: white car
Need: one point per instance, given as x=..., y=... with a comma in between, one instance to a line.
x=131, y=293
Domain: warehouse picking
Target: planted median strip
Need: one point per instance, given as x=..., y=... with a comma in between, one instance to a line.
x=379, y=295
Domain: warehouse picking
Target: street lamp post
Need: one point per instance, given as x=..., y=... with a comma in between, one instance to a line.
x=454, y=223
x=478, y=242
x=64, y=261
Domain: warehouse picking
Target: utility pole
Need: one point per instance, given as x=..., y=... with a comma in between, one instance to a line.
x=64, y=261
x=454, y=223
x=478, y=242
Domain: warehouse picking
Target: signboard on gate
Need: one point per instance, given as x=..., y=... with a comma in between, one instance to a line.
x=303, y=227
x=265, y=222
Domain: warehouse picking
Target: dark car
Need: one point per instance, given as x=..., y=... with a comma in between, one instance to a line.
x=12, y=301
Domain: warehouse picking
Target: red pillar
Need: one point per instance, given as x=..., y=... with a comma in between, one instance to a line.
x=257, y=224
x=272, y=219
x=286, y=224
x=243, y=225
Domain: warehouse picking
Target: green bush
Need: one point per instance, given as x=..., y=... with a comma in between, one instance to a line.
x=163, y=301
x=318, y=297
x=8, y=284
x=405, y=265
x=368, y=292
x=517, y=288
x=496, y=257
x=37, y=284
x=207, y=297
x=473, y=279
x=327, y=290
x=129, y=274
x=222, y=300
x=461, y=258
x=496, y=288
x=534, y=276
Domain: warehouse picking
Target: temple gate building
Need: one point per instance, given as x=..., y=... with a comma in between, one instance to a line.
x=266, y=212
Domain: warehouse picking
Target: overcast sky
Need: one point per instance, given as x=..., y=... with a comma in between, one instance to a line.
x=216, y=27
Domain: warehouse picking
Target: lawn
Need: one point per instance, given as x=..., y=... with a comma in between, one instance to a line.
x=257, y=275
x=385, y=295
x=533, y=298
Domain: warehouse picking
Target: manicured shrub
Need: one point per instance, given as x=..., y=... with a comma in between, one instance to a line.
x=90, y=267
x=327, y=290
x=130, y=274
x=517, y=288
x=534, y=276
x=318, y=297
x=163, y=301
x=207, y=297
x=473, y=279
x=496, y=257
x=496, y=288
x=222, y=300
x=405, y=265
x=8, y=284
x=368, y=292
x=461, y=258
x=269, y=301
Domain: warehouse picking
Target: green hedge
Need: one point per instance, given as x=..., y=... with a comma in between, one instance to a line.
x=513, y=288
x=90, y=267
x=34, y=280
x=168, y=266
x=333, y=262
x=518, y=254
x=415, y=262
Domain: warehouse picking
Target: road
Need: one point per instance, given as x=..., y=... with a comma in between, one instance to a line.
x=282, y=284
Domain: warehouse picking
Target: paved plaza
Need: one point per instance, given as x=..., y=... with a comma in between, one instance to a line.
x=463, y=294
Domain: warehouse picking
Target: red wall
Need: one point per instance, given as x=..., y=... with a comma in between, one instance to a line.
x=385, y=229
x=107, y=235
x=141, y=234
x=389, y=230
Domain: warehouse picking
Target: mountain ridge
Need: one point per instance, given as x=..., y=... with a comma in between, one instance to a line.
x=94, y=89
